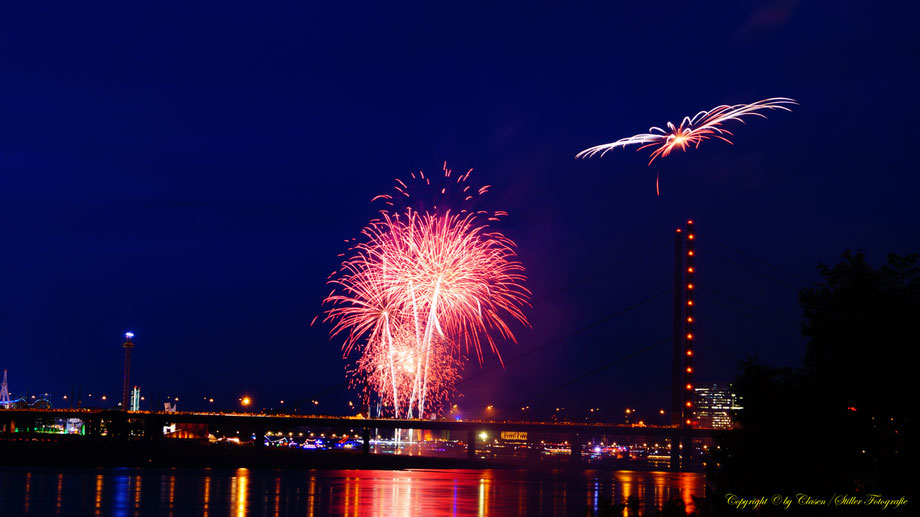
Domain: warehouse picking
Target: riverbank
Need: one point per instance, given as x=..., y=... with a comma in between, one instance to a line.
x=102, y=452
x=190, y=453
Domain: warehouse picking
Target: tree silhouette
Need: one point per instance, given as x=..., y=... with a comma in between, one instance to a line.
x=841, y=423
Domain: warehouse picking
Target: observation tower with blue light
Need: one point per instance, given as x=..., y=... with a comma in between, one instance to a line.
x=126, y=390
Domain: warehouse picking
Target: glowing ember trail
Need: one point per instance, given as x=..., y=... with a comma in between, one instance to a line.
x=692, y=131
x=422, y=289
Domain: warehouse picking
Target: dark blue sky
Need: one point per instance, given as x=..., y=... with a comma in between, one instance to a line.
x=190, y=174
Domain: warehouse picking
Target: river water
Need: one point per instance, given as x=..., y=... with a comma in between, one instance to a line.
x=130, y=492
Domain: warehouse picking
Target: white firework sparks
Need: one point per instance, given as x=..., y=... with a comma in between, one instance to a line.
x=692, y=131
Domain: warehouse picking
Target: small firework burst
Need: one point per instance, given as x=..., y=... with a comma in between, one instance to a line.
x=692, y=131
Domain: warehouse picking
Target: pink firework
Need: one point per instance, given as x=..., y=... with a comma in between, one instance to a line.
x=692, y=131
x=377, y=373
x=421, y=290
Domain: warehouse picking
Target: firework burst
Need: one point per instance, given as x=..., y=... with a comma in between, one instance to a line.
x=373, y=370
x=422, y=289
x=692, y=131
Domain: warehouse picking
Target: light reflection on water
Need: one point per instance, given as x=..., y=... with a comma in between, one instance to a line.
x=121, y=493
x=264, y=492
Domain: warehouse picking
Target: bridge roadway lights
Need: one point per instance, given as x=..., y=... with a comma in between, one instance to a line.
x=471, y=444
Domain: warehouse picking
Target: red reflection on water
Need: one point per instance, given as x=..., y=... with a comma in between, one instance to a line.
x=405, y=493
x=244, y=493
x=137, y=495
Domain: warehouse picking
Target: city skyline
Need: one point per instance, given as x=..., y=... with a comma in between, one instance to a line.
x=205, y=212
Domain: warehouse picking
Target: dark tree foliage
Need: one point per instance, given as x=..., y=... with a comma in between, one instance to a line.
x=843, y=422
x=864, y=330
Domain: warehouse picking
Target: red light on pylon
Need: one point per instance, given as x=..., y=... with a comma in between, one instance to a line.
x=689, y=403
x=689, y=270
x=689, y=222
x=690, y=236
x=689, y=387
x=689, y=352
x=689, y=336
x=689, y=319
x=688, y=421
x=689, y=369
x=690, y=253
x=689, y=286
x=689, y=302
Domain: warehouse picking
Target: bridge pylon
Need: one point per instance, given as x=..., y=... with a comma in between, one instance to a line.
x=683, y=341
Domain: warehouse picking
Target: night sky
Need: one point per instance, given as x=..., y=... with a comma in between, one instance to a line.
x=190, y=174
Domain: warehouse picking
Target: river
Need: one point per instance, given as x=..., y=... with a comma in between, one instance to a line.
x=132, y=492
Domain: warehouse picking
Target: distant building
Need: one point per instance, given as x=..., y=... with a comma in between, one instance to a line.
x=714, y=405
x=135, y=399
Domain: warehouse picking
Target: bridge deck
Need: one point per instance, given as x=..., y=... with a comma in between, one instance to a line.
x=276, y=420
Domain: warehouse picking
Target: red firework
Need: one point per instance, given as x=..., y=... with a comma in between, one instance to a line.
x=420, y=291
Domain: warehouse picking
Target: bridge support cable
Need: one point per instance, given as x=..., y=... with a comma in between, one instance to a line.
x=763, y=318
x=562, y=338
x=755, y=258
x=595, y=371
x=600, y=272
x=750, y=269
x=344, y=385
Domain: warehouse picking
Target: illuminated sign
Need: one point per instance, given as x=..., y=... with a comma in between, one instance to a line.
x=514, y=435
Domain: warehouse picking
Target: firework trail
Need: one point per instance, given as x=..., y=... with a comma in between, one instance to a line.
x=692, y=131
x=422, y=289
